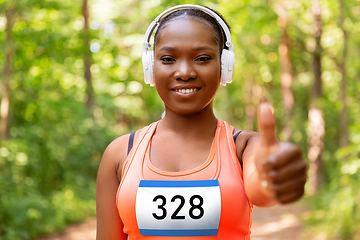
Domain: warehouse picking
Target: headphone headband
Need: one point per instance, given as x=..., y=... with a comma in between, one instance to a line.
x=169, y=11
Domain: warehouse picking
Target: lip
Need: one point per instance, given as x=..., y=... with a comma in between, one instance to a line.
x=185, y=89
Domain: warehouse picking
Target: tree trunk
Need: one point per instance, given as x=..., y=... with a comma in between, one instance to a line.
x=316, y=120
x=250, y=110
x=87, y=57
x=5, y=101
x=342, y=65
x=286, y=74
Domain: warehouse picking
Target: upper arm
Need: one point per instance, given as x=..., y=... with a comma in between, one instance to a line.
x=109, y=224
x=242, y=149
x=247, y=150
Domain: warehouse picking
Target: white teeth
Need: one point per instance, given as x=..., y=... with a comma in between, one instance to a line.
x=188, y=90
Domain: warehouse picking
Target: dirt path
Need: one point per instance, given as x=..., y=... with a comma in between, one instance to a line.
x=276, y=223
x=82, y=231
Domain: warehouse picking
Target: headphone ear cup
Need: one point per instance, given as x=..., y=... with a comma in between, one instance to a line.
x=148, y=67
x=227, y=66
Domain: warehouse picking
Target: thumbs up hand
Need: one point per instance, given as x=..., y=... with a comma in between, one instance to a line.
x=280, y=165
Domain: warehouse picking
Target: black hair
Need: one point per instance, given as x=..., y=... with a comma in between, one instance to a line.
x=198, y=15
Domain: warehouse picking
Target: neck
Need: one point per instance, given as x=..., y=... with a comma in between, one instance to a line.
x=203, y=122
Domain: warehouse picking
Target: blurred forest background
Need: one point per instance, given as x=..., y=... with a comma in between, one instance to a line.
x=71, y=81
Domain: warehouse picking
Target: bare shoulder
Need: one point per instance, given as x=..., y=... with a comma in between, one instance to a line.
x=116, y=152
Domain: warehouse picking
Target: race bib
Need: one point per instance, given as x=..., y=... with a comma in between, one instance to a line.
x=178, y=208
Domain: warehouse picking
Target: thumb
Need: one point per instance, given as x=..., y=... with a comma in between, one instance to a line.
x=266, y=120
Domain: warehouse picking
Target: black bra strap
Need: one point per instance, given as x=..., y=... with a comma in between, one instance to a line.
x=131, y=141
x=235, y=135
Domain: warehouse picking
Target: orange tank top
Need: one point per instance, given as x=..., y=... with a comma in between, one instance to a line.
x=207, y=202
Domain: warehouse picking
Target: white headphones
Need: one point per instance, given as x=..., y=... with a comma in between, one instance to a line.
x=227, y=55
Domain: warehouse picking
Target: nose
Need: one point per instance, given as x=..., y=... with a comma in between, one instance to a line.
x=185, y=71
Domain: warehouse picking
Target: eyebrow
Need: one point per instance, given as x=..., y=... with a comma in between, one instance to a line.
x=170, y=49
x=174, y=49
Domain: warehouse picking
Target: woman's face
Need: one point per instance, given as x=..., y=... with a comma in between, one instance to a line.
x=187, y=66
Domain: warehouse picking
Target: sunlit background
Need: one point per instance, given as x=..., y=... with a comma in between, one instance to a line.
x=71, y=81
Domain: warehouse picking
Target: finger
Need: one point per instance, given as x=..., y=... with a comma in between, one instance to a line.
x=287, y=153
x=266, y=121
x=292, y=187
x=297, y=168
x=289, y=198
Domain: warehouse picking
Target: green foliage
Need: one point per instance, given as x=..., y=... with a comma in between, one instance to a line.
x=339, y=219
x=336, y=209
x=26, y=216
x=48, y=168
x=48, y=177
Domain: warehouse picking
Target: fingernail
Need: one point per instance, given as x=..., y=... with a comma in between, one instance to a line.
x=263, y=99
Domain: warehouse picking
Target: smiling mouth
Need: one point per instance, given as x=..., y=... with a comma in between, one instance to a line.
x=187, y=90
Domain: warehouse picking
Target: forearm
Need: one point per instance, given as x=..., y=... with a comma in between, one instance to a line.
x=256, y=193
x=254, y=188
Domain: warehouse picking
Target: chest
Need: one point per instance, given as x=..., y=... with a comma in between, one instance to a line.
x=179, y=154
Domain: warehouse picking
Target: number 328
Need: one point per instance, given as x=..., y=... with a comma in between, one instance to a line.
x=161, y=200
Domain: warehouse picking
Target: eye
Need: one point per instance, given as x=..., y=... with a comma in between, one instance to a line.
x=167, y=59
x=203, y=59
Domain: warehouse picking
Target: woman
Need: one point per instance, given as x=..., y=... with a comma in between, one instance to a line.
x=192, y=175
